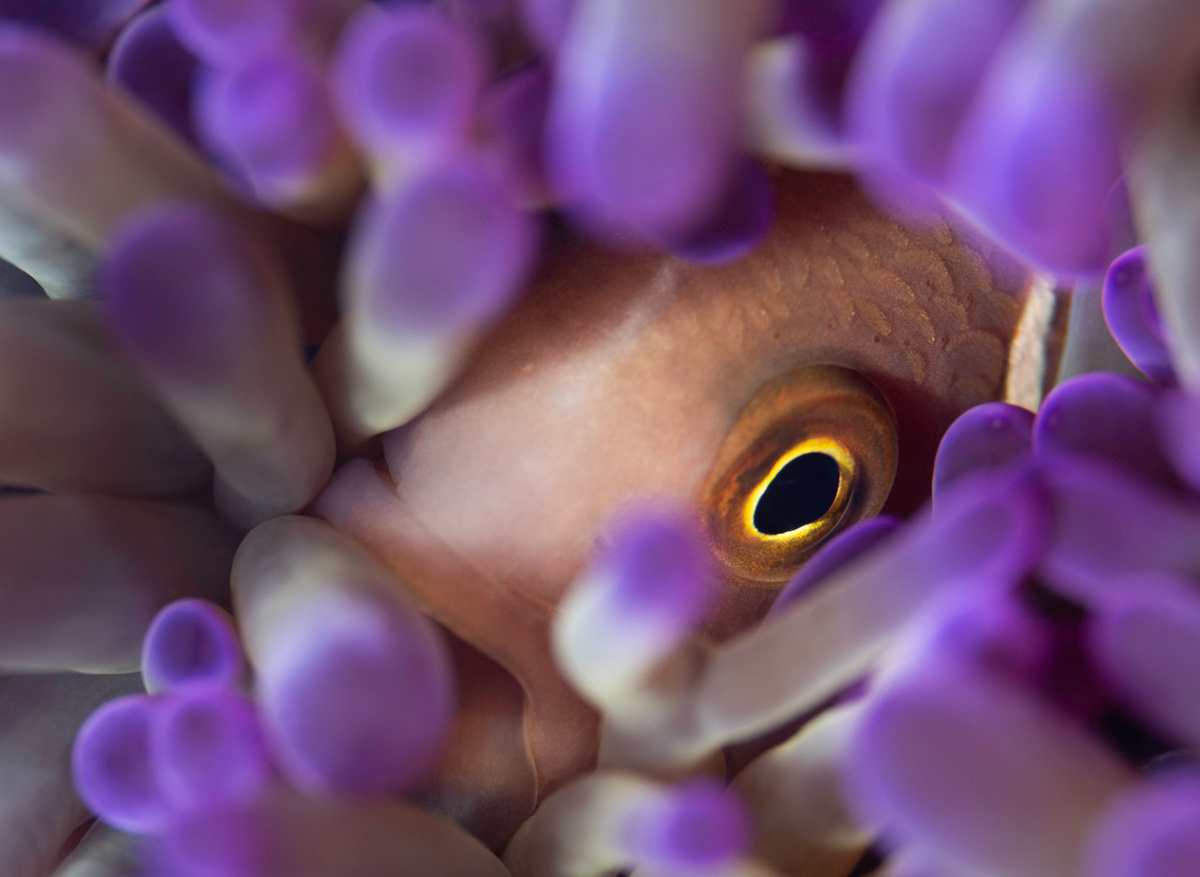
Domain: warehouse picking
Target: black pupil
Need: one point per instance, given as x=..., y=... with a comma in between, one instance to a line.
x=800, y=493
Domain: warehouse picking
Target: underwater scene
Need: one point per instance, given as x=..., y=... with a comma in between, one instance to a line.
x=600, y=438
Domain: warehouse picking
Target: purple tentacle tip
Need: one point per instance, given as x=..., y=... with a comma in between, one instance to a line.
x=406, y=78
x=657, y=568
x=177, y=283
x=150, y=62
x=697, y=828
x=643, y=128
x=914, y=82
x=1152, y=832
x=272, y=118
x=357, y=700
x=985, y=437
x=453, y=251
x=113, y=769
x=207, y=749
x=738, y=225
x=191, y=641
x=1133, y=317
x=1106, y=416
x=1035, y=162
x=644, y=595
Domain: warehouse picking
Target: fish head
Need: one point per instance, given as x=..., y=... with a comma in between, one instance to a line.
x=782, y=398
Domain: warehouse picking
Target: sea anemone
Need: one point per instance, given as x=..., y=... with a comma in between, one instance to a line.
x=506, y=440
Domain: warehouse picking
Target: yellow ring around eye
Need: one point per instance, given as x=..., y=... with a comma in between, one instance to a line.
x=760, y=528
x=810, y=532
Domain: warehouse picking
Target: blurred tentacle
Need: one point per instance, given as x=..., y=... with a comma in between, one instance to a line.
x=86, y=422
x=83, y=576
x=803, y=824
x=354, y=684
x=608, y=822
x=948, y=733
x=205, y=308
x=293, y=837
x=987, y=534
x=59, y=263
x=39, y=808
x=90, y=24
x=192, y=642
x=272, y=119
x=1165, y=189
x=433, y=263
x=61, y=125
x=103, y=852
x=362, y=501
x=150, y=63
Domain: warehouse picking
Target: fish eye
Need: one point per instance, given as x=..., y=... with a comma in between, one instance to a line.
x=812, y=452
x=805, y=491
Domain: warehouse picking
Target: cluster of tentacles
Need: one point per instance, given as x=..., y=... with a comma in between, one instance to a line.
x=248, y=243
